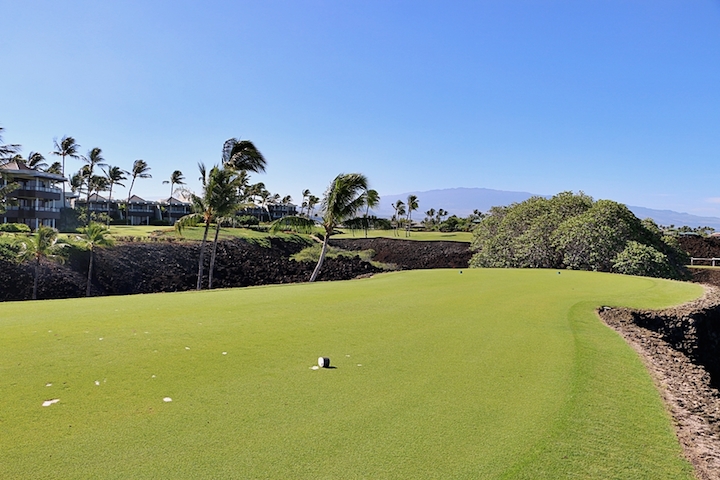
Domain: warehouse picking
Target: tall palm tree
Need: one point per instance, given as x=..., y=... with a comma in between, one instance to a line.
x=42, y=244
x=399, y=207
x=242, y=155
x=208, y=206
x=305, y=194
x=67, y=147
x=140, y=169
x=176, y=178
x=93, y=159
x=312, y=201
x=412, y=205
x=115, y=176
x=372, y=200
x=227, y=198
x=97, y=235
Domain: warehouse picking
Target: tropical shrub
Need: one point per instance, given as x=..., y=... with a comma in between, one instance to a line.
x=14, y=228
x=574, y=231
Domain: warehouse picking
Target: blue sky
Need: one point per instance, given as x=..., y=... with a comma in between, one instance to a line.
x=619, y=99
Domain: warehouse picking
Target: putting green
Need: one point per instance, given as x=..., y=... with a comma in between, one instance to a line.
x=484, y=374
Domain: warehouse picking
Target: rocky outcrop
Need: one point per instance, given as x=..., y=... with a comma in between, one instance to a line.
x=410, y=254
x=680, y=347
x=130, y=268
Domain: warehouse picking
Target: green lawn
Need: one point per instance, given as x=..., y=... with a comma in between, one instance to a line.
x=446, y=236
x=191, y=233
x=440, y=374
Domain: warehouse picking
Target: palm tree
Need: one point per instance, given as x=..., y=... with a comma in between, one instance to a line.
x=342, y=200
x=176, y=178
x=140, y=169
x=219, y=194
x=94, y=159
x=372, y=200
x=96, y=235
x=412, y=205
x=55, y=168
x=66, y=148
x=312, y=201
x=242, y=155
x=227, y=199
x=115, y=176
x=7, y=150
x=42, y=244
x=305, y=194
x=399, y=207
x=5, y=191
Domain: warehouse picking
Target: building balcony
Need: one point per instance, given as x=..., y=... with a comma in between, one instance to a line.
x=37, y=192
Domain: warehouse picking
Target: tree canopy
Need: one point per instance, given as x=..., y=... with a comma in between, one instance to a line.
x=574, y=231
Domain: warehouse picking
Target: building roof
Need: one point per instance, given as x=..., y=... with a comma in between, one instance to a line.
x=136, y=199
x=22, y=170
x=173, y=201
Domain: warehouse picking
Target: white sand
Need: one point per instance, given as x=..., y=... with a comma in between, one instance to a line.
x=47, y=403
x=167, y=399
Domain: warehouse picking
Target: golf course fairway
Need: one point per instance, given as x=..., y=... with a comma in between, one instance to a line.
x=438, y=374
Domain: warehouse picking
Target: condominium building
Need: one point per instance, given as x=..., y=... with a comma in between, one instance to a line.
x=37, y=201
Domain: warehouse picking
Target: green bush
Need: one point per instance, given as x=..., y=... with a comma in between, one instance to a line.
x=14, y=228
x=643, y=260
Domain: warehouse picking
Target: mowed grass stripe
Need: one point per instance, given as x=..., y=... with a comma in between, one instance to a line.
x=484, y=374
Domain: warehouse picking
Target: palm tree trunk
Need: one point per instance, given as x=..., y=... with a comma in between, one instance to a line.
x=212, y=255
x=127, y=205
x=321, y=259
x=202, y=256
x=92, y=254
x=37, y=275
x=109, y=200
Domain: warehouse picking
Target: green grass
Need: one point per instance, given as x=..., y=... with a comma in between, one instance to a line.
x=191, y=233
x=484, y=374
x=420, y=236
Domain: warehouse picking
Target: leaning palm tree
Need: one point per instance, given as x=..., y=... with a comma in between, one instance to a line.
x=97, y=235
x=305, y=194
x=42, y=244
x=67, y=147
x=140, y=169
x=412, y=205
x=342, y=200
x=115, y=176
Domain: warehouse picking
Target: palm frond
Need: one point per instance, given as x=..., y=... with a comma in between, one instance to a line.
x=293, y=223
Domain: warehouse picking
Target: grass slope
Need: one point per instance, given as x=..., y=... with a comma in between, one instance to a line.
x=484, y=374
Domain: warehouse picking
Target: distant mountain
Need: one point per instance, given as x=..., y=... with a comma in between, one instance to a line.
x=462, y=202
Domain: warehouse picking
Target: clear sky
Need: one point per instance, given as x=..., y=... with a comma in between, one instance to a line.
x=620, y=99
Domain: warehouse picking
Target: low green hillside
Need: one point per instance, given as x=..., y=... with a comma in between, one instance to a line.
x=439, y=374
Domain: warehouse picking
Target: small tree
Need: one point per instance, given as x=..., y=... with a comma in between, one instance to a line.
x=97, y=235
x=42, y=244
